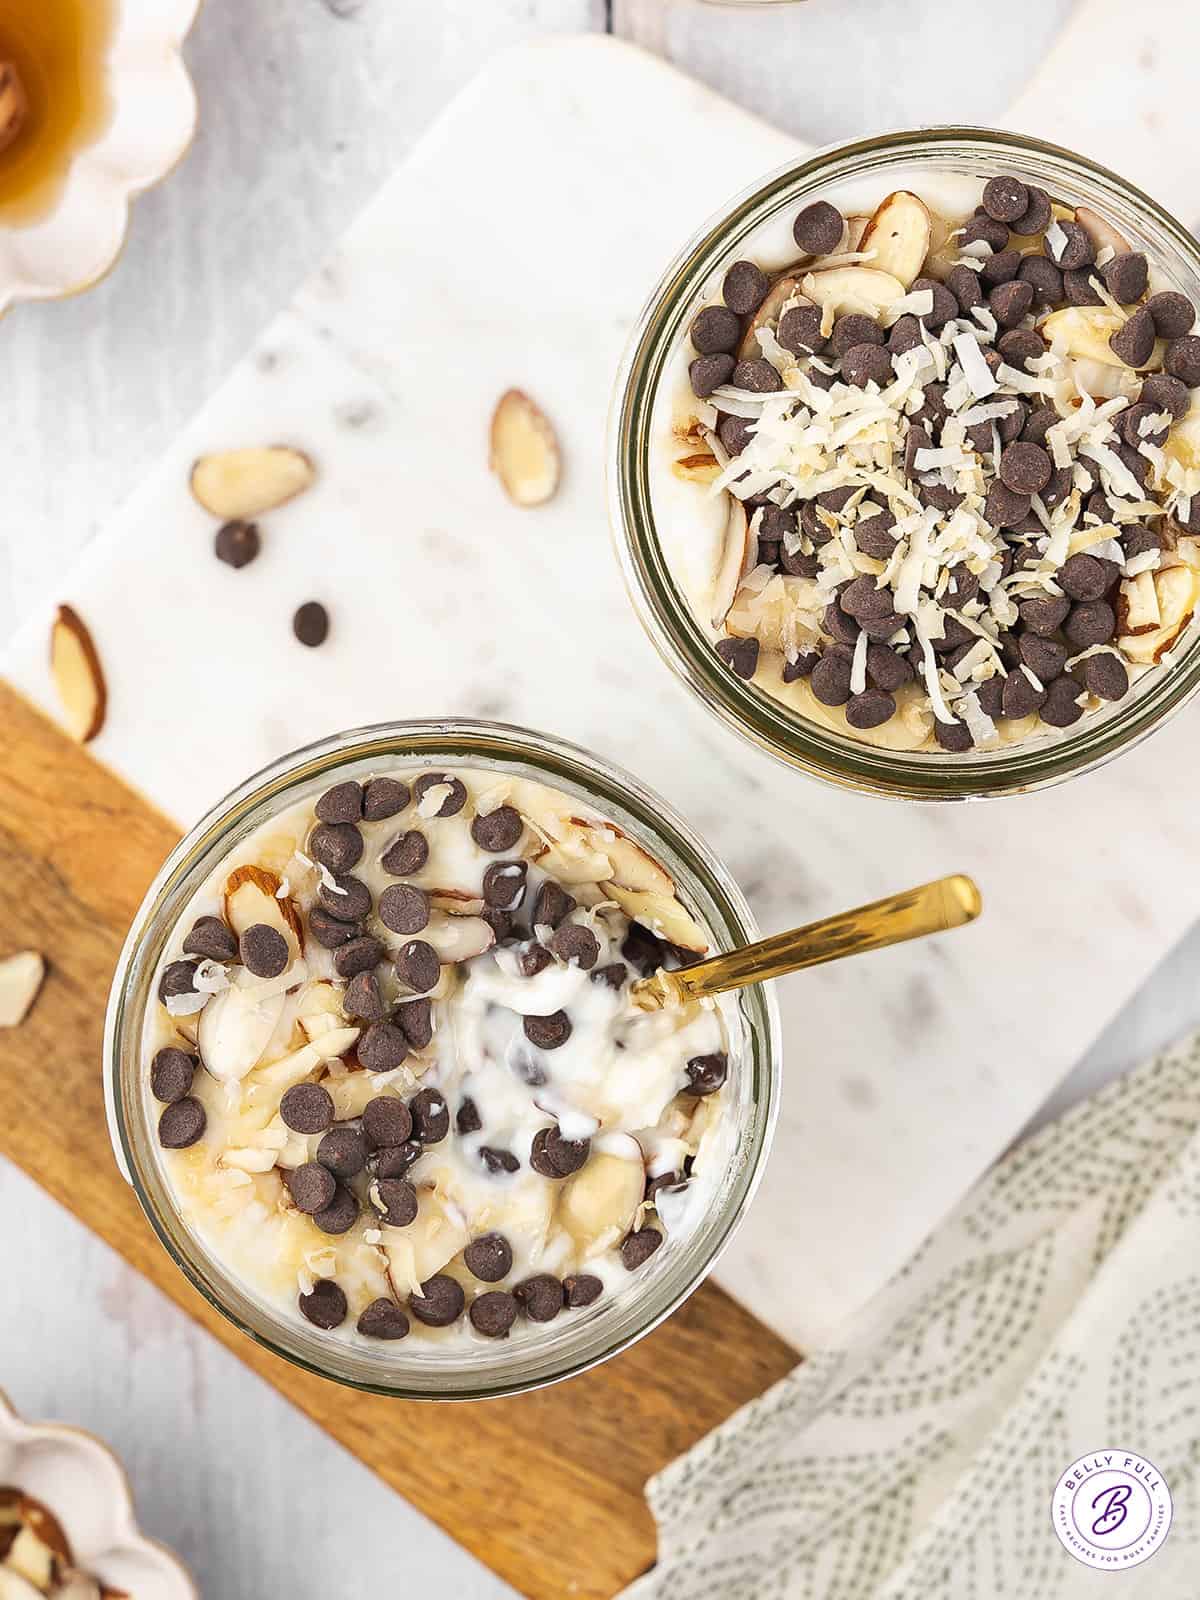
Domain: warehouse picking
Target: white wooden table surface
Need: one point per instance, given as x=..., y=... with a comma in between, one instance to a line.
x=306, y=106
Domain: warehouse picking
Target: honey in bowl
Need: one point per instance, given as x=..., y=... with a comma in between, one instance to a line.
x=54, y=97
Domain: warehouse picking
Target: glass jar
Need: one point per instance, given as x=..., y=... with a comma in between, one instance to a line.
x=691, y=280
x=459, y=1369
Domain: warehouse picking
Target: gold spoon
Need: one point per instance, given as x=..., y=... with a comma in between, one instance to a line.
x=931, y=908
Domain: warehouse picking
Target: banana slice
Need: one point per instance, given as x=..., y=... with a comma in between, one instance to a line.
x=598, y=1204
x=842, y=289
x=1176, y=590
x=414, y=1254
x=899, y=233
x=735, y=561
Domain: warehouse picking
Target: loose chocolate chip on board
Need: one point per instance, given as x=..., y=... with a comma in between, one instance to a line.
x=1134, y=342
x=637, y=1248
x=211, y=939
x=1074, y=251
x=1046, y=278
x=706, y=1074
x=264, y=951
x=386, y=1121
x=1005, y=198
x=395, y=1199
x=348, y=898
x=1044, y=616
x=415, y=1020
x=312, y=1187
x=382, y=1047
x=986, y=230
x=534, y=958
x=744, y=288
x=854, y=329
x=1164, y=394
x=340, y=1215
x=430, y=1115
x=548, y=1033
x=1025, y=468
x=1173, y=314
x=336, y=845
x=1010, y=302
x=1079, y=288
x=953, y=737
x=867, y=363
x=740, y=656
x=329, y=932
x=1020, y=696
x=1045, y=658
x=1106, y=676
x=582, y=1289
x=439, y=1303
x=1090, y=622
x=489, y=1258
x=452, y=802
x=540, y=1297
x=342, y=803
x=800, y=331
x=404, y=909
x=551, y=905
x=237, y=544
x=358, y=956
x=577, y=945
x=963, y=284
x=306, y=1108
x=177, y=978
x=343, y=1151
x=831, y=679
x=326, y=1306
x=395, y=1161
x=363, y=998
x=1000, y=268
x=870, y=709
x=171, y=1074
x=1126, y=276
x=905, y=334
x=819, y=228
x=311, y=624
x=1036, y=217
x=384, y=797
x=383, y=1319
x=499, y=830
x=417, y=965
x=715, y=331
x=468, y=1119
x=493, y=1314
x=1182, y=360
x=1060, y=708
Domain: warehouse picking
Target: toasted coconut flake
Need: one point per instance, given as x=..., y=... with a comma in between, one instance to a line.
x=78, y=675
x=524, y=450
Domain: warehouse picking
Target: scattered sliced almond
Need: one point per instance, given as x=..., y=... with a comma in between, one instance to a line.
x=524, y=450
x=14, y=104
x=1101, y=232
x=856, y=227
x=1084, y=331
x=1137, y=606
x=458, y=938
x=899, y=234
x=1175, y=590
x=234, y=1031
x=843, y=289
x=703, y=467
x=661, y=913
x=735, y=554
x=252, y=896
x=768, y=313
x=20, y=979
x=78, y=675
x=245, y=483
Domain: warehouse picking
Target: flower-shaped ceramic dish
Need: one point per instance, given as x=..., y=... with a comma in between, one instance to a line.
x=80, y=1483
x=150, y=127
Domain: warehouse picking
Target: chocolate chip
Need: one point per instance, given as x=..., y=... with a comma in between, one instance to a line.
x=384, y=797
x=800, y=331
x=945, y=306
x=358, y=956
x=1045, y=658
x=1000, y=268
x=1079, y=288
x=496, y=1160
x=1182, y=360
x=430, y=1115
x=489, y=1257
x=468, y=1119
x=612, y=976
x=211, y=939
x=499, y=830
x=1106, y=676
x=1010, y=302
x=1038, y=425
x=182, y=1124
x=1172, y=313
x=1025, y=468
x=343, y=1151
x=264, y=951
x=406, y=854
x=336, y=845
x=493, y=1314
x=551, y=905
x=905, y=334
x=1082, y=577
x=1126, y=276
x=533, y=959
x=758, y=376
x=1046, y=278
x=1090, y=622
x=177, y=978
x=325, y=1307
x=417, y=966
x=887, y=668
x=1044, y=615
x=1020, y=696
x=740, y=656
x=363, y=998
x=1005, y=507
x=565, y=1155
x=382, y=1047
x=504, y=885
x=453, y=802
x=582, y=1289
x=963, y=283
x=953, y=737
x=867, y=363
x=990, y=695
x=383, y=1319
x=1134, y=343
x=312, y=1187
x=637, y=1248
x=395, y=1200
x=1005, y=198
x=1036, y=217
x=395, y=1160
x=852, y=330
x=1074, y=251
x=831, y=679
x=1060, y=485
x=1020, y=346
x=865, y=598
x=1137, y=540
x=548, y=1033
x=1161, y=393
x=171, y=1074
x=348, y=899
x=870, y=709
x=415, y=1020
x=818, y=229
x=1060, y=710
x=311, y=624
x=342, y=803
x=715, y=330
x=307, y=1108
x=576, y=944
x=540, y=1297
x=984, y=229
x=340, y=1215
x=744, y=288
x=439, y=1303
x=386, y=1121
x=330, y=932
x=706, y=1074
x=237, y=543
x=404, y=909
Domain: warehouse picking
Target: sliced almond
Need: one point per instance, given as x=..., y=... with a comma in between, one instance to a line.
x=702, y=467
x=31, y=1558
x=1101, y=232
x=457, y=902
x=524, y=450
x=768, y=313
x=252, y=896
x=1084, y=331
x=856, y=227
x=597, y=1205
x=244, y=483
x=20, y=979
x=1176, y=590
x=14, y=1587
x=945, y=246
x=78, y=675
x=843, y=289
x=1137, y=606
x=662, y=914
x=416, y=1253
x=1183, y=442
x=899, y=234
x=735, y=556
x=458, y=938
x=633, y=868
x=235, y=1029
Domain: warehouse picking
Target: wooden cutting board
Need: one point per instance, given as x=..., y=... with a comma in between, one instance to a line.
x=546, y=1489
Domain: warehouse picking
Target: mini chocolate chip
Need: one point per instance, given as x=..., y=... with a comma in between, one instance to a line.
x=493, y=1314
x=237, y=543
x=1090, y=622
x=991, y=697
x=384, y=797
x=340, y=1215
x=1126, y=276
x=1079, y=288
x=875, y=537
x=706, y=1074
x=953, y=737
x=1004, y=507
x=307, y=1108
x=358, y=956
x=394, y=1161
x=406, y=854
x=342, y=803
x=818, y=229
x=831, y=680
x=1005, y=198
x=1025, y=468
x=417, y=966
x=496, y=1160
x=1074, y=251
x=363, y=998
x=311, y=624
x=758, y=376
x=1134, y=342
x=171, y=1074
x=533, y=959
x=382, y=1047
x=744, y=288
x=1082, y=577
x=1059, y=709
x=326, y=1306
x=439, y=1303
x=1044, y=615
x=540, y=1297
x=395, y=1200
x=954, y=634
x=1046, y=278
x=1105, y=675
x=344, y=1151
x=1059, y=487
x=386, y=1121
x=800, y=331
x=1182, y=360
x=870, y=709
x=905, y=334
x=986, y=230
x=1000, y=268
x=548, y=1033
x=1010, y=302
x=468, y=1119
x=715, y=330
x=637, y=1248
x=551, y=905
x=1136, y=540
x=329, y=931
x=962, y=586
x=212, y=939
x=613, y=976
x=348, y=899
x=415, y=1020
x=1038, y=425
x=576, y=945
x=1020, y=346
x=489, y=1257
x=1045, y=658
x=383, y=1319
x=1172, y=313
x=452, y=802
x=582, y=1289
x=404, y=909
x=504, y=884
x=565, y=1155
x=865, y=598
x=1036, y=217
x=1165, y=394
x=887, y=668
x=963, y=283
x=1020, y=696
x=854, y=329
x=312, y=1187
x=867, y=363
x=839, y=624
x=1134, y=460
x=740, y=656
x=430, y=1116
x=945, y=306
x=336, y=845
x=177, y=978
x=264, y=951
x=499, y=830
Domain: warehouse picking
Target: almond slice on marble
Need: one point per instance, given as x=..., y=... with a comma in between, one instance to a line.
x=252, y=896
x=20, y=979
x=898, y=233
x=524, y=450
x=78, y=675
x=235, y=484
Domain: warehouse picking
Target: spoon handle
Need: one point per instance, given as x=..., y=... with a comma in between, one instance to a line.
x=931, y=908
